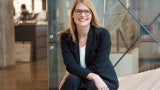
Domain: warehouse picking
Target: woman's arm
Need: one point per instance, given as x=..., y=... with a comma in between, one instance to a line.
x=102, y=64
x=63, y=79
x=99, y=83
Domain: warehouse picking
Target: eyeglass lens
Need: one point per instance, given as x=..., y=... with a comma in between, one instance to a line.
x=79, y=11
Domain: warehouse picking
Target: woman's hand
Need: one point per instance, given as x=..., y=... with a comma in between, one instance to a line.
x=99, y=83
x=63, y=80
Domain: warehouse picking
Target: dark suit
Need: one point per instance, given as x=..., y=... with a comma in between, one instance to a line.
x=97, y=56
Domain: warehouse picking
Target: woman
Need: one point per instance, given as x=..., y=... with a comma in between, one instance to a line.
x=85, y=49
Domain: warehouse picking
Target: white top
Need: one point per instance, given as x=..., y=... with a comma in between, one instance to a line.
x=82, y=56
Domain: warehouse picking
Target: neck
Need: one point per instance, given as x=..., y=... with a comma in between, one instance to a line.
x=83, y=31
x=82, y=34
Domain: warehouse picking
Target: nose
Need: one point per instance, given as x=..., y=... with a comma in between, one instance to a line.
x=82, y=13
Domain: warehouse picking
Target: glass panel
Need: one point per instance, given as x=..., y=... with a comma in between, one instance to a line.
x=127, y=27
x=58, y=11
x=37, y=6
x=149, y=54
x=155, y=27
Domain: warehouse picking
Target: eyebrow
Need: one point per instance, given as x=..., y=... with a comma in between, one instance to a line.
x=82, y=9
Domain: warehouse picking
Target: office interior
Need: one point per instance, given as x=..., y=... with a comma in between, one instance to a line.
x=30, y=55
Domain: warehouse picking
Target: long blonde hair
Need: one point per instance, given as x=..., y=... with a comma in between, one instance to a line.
x=72, y=25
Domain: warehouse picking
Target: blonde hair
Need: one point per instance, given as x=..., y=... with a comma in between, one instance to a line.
x=72, y=25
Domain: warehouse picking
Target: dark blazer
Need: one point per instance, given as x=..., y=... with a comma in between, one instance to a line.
x=97, y=56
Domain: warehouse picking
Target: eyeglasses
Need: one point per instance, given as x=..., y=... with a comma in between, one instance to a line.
x=80, y=11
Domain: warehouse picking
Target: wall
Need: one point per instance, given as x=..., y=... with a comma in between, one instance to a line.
x=6, y=33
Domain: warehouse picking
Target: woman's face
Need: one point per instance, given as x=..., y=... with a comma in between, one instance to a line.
x=82, y=15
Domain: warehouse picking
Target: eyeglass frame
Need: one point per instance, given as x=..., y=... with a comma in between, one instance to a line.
x=85, y=11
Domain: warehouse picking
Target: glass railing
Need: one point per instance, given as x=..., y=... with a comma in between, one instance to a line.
x=127, y=34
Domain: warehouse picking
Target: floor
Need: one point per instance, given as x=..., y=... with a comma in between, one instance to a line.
x=148, y=80
x=25, y=76
x=34, y=76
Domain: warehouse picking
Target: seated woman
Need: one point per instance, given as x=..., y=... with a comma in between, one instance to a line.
x=85, y=50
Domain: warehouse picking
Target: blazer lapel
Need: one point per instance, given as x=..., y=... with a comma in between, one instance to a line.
x=89, y=43
x=76, y=48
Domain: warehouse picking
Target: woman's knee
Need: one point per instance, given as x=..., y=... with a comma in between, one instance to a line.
x=73, y=79
x=72, y=82
x=91, y=86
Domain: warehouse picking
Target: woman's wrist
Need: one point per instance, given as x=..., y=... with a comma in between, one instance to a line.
x=92, y=76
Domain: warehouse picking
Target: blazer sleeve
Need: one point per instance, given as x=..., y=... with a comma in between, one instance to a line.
x=102, y=62
x=103, y=50
x=69, y=59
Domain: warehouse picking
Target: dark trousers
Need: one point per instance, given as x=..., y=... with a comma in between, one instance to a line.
x=73, y=82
